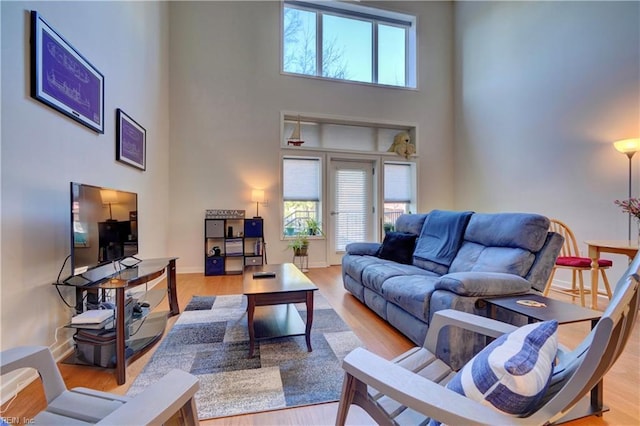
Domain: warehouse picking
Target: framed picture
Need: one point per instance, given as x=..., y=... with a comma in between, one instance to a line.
x=131, y=141
x=63, y=79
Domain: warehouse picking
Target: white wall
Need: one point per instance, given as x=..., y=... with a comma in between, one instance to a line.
x=542, y=89
x=43, y=150
x=226, y=97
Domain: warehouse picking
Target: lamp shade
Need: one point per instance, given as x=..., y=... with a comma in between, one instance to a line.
x=257, y=195
x=628, y=146
x=108, y=196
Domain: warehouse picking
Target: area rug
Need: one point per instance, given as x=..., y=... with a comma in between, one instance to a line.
x=210, y=340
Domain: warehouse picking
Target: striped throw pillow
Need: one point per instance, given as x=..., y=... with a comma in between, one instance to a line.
x=513, y=372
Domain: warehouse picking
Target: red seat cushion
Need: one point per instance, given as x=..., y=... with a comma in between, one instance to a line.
x=581, y=262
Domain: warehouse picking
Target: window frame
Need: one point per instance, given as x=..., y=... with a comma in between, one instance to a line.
x=376, y=17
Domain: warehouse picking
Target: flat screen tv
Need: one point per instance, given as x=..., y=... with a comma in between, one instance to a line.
x=104, y=226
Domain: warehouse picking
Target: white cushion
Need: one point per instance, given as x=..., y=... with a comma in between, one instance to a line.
x=513, y=372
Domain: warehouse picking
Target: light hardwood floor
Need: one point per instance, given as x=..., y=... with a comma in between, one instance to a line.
x=621, y=385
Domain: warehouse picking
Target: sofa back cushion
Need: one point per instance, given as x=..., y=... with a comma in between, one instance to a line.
x=501, y=242
x=527, y=231
x=411, y=223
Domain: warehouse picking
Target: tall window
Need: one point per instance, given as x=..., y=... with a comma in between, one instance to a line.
x=349, y=42
x=399, y=191
x=301, y=193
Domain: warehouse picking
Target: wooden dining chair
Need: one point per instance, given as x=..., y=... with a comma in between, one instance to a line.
x=570, y=259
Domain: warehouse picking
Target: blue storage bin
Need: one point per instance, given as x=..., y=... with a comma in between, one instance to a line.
x=214, y=265
x=253, y=228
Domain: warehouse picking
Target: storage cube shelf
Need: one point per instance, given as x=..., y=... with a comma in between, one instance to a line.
x=230, y=244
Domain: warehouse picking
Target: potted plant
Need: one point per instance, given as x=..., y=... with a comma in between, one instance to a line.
x=313, y=227
x=388, y=227
x=299, y=244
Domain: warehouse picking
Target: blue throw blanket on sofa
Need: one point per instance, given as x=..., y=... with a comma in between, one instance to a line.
x=441, y=236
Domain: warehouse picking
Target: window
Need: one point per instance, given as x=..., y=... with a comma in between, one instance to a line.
x=349, y=42
x=301, y=193
x=398, y=190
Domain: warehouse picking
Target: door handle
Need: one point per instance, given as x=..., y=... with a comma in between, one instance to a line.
x=334, y=213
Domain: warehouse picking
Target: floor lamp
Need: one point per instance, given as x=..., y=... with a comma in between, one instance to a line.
x=257, y=196
x=628, y=147
x=109, y=197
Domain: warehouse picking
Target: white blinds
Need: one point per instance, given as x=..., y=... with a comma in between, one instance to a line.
x=353, y=205
x=301, y=179
x=397, y=183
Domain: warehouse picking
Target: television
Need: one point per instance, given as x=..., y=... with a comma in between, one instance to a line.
x=104, y=226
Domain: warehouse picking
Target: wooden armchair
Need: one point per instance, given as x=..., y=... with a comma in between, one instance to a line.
x=172, y=394
x=411, y=388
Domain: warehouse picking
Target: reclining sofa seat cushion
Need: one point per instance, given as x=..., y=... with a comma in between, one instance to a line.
x=375, y=275
x=412, y=293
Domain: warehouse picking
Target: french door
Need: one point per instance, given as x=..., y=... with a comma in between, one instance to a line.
x=351, y=205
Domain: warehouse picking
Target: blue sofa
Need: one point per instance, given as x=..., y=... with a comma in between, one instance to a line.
x=450, y=260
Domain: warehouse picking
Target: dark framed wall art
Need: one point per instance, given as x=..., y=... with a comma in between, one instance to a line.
x=64, y=79
x=131, y=141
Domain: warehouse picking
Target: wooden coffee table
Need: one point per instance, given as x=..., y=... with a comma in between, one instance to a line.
x=270, y=310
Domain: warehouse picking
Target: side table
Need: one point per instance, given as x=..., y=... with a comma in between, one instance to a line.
x=595, y=247
x=564, y=313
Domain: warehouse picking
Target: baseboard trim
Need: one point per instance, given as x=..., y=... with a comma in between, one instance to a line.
x=566, y=286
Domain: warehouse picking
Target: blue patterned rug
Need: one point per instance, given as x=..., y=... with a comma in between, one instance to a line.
x=210, y=340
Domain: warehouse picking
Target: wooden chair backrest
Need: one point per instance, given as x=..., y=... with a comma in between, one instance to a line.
x=570, y=246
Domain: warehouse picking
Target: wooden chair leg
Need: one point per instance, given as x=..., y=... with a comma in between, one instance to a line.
x=346, y=398
x=190, y=413
x=581, y=283
x=606, y=283
x=574, y=288
x=547, y=287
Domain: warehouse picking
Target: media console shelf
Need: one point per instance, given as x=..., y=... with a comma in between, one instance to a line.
x=148, y=329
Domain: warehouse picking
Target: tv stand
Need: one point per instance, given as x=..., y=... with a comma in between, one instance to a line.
x=126, y=279
x=126, y=264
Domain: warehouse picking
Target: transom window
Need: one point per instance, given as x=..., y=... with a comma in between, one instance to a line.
x=349, y=42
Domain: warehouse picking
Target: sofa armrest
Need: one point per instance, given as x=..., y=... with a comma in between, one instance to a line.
x=480, y=284
x=365, y=248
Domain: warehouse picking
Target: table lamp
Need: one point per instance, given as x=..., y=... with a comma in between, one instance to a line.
x=628, y=147
x=257, y=196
